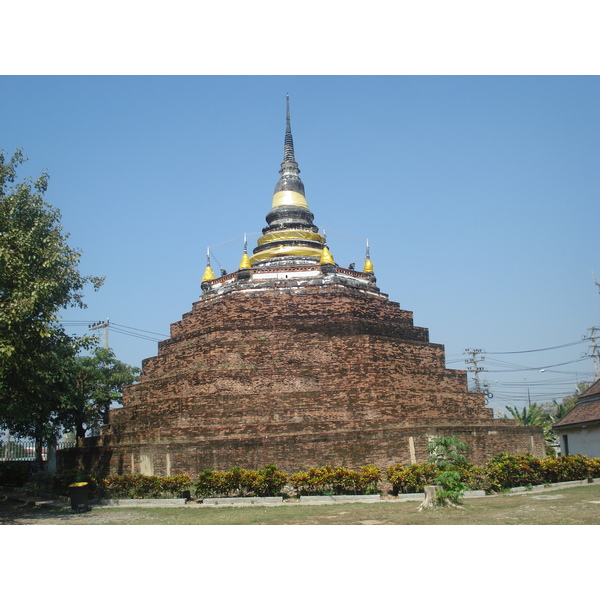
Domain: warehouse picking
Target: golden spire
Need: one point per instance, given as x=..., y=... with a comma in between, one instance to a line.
x=368, y=268
x=245, y=264
x=208, y=272
x=291, y=233
x=290, y=189
x=326, y=256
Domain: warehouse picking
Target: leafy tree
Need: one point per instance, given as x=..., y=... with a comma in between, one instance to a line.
x=530, y=415
x=98, y=380
x=535, y=415
x=38, y=277
x=559, y=408
x=446, y=452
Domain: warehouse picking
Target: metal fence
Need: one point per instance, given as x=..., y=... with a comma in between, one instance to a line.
x=23, y=451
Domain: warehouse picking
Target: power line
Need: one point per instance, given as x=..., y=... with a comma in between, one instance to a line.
x=594, y=347
x=570, y=362
x=118, y=328
x=474, y=360
x=538, y=349
x=142, y=330
x=136, y=335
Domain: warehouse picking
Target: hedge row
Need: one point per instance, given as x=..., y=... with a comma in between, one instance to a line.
x=502, y=472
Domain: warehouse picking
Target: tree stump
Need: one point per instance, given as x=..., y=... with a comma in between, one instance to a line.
x=430, y=494
x=431, y=498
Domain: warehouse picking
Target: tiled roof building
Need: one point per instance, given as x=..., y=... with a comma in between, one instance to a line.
x=579, y=429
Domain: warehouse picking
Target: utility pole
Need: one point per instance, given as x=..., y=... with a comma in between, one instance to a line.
x=101, y=325
x=474, y=360
x=594, y=348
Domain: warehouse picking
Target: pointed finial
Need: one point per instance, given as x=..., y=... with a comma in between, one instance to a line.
x=208, y=272
x=368, y=268
x=288, y=150
x=245, y=263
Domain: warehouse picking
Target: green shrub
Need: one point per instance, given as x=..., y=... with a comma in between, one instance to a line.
x=413, y=478
x=594, y=464
x=446, y=452
x=473, y=476
x=568, y=468
x=144, y=486
x=330, y=480
x=453, y=488
x=370, y=477
x=507, y=471
x=240, y=482
x=269, y=481
x=14, y=474
x=64, y=479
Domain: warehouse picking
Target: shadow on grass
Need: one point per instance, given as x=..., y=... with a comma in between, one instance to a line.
x=13, y=512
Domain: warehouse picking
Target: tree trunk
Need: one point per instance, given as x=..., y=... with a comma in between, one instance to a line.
x=39, y=457
x=431, y=500
x=430, y=495
x=80, y=430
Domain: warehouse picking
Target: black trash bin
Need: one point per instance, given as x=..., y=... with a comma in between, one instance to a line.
x=79, y=496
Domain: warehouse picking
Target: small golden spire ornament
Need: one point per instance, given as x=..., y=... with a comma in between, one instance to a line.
x=245, y=264
x=326, y=257
x=208, y=272
x=368, y=268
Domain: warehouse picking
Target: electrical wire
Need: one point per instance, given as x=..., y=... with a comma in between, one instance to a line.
x=142, y=330
x=539, y=349
x=124, y=330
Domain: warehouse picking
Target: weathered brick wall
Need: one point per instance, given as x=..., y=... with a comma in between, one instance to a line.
x=384, y=446
x=324, y=375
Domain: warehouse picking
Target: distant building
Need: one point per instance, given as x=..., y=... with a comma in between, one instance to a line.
x=579, y=429
x=297, y=361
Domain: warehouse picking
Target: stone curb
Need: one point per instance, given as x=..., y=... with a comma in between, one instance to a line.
x=370, y=498
x=49, y=501
x=270, y=500
x=142, y=502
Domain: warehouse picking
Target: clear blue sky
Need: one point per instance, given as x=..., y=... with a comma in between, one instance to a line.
x=479, y=197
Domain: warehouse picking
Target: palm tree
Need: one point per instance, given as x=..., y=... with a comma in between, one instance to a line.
x=534, y=415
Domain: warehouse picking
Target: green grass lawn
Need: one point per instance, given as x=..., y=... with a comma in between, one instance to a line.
x=571, y=506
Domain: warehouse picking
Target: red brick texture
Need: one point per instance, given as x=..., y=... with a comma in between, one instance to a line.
x=299, y=377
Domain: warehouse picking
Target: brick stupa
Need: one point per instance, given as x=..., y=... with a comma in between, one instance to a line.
x=296, y=361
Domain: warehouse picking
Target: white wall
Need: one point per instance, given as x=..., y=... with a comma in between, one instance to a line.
x=584, y=440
